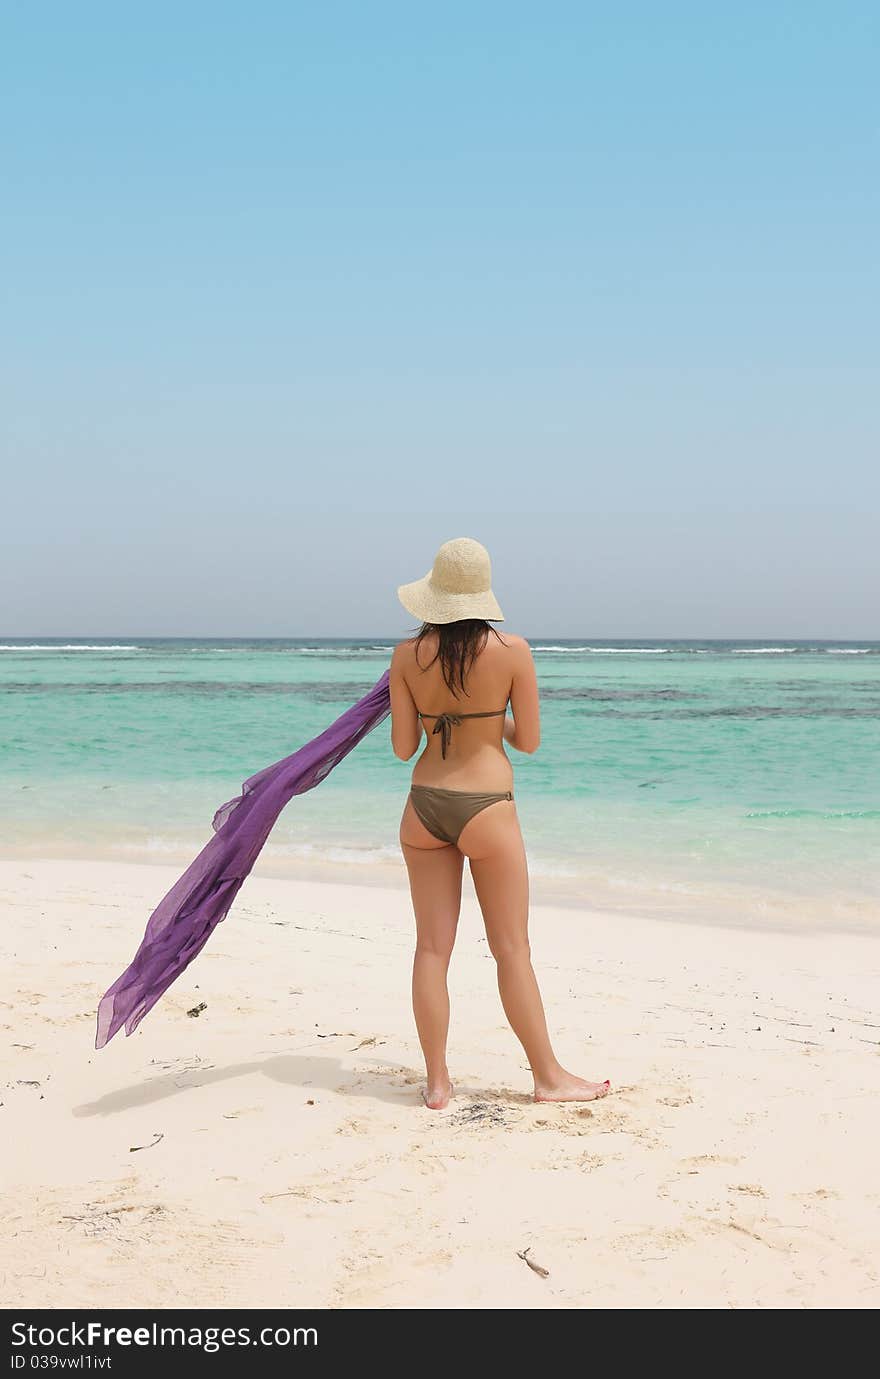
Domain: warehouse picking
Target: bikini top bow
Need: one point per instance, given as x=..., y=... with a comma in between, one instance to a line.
x=444, y=725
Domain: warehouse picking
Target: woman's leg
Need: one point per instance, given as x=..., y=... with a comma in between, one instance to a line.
x=493, y=843
x=435, y=871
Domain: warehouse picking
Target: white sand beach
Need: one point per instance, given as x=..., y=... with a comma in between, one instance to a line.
x=274, y=1151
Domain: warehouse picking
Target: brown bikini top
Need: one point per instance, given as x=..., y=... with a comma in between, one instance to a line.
x=446, y=722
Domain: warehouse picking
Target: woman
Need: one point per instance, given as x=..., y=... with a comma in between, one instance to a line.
x=455, y=678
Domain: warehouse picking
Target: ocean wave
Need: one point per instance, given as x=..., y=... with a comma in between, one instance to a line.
x=788, y=710
x=345, y=652
x=346, y=854
x=336, y=852
x=269, y=647
x=545, y=869
x=575, y=692
x=722, y=649
x=69, y=646
x=813, y=814
x=163, y=844
x=318, y=691
x=609, y=650
x=370, y=650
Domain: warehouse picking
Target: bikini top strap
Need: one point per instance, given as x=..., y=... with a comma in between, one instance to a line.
x=445, y=722
x=457, y=717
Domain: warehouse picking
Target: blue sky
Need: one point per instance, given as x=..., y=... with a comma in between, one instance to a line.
x=293, y=293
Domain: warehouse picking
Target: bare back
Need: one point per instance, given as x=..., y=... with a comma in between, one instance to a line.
x=475, y=758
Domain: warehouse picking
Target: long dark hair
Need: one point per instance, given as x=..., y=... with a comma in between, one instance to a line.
x=458, y=646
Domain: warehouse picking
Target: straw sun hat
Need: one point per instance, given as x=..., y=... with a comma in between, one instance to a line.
x=458, y=586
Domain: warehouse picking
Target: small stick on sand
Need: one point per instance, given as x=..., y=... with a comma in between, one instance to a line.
x=133, y=1149
x=537, y=1268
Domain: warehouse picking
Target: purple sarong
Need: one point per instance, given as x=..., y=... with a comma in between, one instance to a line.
x=182, y=923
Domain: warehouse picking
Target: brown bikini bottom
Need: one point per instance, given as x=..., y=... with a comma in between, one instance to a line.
x=445, y=812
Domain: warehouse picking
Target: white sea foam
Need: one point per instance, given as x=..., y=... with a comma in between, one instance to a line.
x=764, y=650
x=347, y=653
x=72, y=646
x=848, y=650
x=329, y=852
x=547, y=870
x=161, y=845
x=610, y=650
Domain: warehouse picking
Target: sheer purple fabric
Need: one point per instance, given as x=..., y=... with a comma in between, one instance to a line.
x=183, y=922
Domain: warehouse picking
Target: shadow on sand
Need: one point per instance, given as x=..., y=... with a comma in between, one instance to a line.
x=294, y=1070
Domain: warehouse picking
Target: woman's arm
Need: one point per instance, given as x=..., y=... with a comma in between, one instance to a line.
x=406, y=726
x=523, y=731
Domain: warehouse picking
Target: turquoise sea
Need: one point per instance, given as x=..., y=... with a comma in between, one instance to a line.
x=732, y=780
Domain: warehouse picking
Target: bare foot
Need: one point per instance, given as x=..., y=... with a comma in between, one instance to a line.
x=437, y=1098
x=567, y=1087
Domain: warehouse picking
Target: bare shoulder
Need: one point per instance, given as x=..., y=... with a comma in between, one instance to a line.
x=402, y=654
x=518, y=645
